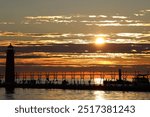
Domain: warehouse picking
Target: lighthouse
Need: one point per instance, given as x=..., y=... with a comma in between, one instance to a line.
x=10, y=68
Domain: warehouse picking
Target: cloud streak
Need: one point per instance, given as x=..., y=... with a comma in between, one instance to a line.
x=99, y=20
x=74, y=38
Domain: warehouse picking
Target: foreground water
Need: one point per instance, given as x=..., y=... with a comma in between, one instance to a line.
x=59, y=94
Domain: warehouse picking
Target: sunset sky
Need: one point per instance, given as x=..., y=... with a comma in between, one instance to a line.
x=83, y=34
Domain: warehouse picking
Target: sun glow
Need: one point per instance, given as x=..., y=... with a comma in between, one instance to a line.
x=100, y=40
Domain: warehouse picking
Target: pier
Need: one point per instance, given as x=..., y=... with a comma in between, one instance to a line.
x=72, y=80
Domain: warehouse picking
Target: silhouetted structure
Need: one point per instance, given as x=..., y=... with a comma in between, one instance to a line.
x=120, y=75
x=10, y=69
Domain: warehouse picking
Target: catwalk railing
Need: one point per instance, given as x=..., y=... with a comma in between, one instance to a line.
x=70, y=77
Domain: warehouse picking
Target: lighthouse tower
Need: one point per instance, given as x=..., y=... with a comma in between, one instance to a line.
x=10, y=69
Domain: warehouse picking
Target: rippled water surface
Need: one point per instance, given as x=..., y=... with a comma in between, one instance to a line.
x=58, y=94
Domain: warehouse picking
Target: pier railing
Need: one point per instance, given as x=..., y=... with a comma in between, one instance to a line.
x=72, y=77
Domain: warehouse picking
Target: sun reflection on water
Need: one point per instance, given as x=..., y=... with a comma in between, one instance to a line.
x=99, y=95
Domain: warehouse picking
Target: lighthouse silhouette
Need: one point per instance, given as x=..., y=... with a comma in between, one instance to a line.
x=10, y=68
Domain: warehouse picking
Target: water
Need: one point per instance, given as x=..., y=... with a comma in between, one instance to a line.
x=59, y=94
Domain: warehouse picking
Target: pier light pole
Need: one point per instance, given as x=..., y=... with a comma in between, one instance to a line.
x=120, y=74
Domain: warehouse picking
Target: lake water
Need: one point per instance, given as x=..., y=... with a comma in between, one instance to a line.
x=59, y=94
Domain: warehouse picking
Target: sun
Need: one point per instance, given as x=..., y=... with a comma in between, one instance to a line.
x=100, y=40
